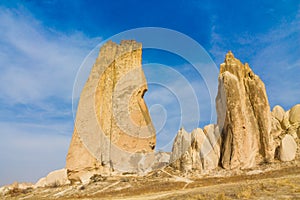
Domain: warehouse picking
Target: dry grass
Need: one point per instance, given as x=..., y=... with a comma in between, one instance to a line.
x=279, y=184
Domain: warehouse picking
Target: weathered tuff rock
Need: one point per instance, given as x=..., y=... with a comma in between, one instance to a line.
x=15, y=187
x=112, y=121
x=211, y=156
x=288, y=148
x=284, y=123
x=198, y=150
x=244, y=116
x=278, y=116
x=54, y=179
x=180, y=157
x=278, y=112
x=294, y=121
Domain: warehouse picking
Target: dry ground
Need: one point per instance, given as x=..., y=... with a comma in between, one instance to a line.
x=265, y=182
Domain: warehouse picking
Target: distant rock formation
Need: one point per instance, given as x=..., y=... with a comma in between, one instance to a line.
x=54, y=179
x=286, y=131
x=288, y=148
x=244, y=116
x=196, y=151
x=245, y=131
x=293, y=124
x=112, y=119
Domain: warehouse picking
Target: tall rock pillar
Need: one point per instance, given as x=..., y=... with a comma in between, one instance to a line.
x=112, y=121
x=244, y=116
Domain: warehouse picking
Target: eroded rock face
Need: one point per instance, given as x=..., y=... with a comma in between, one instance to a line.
x=180, y=158
x=288, y=148
x=284, y=123
x=211, y=156
x=294, y=121
x=278, y=112
x=244, y=116
x=112, y=119
x=294, y=115
x=196, y=151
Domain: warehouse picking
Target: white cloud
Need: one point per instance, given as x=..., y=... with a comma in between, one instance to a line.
x=37, y=62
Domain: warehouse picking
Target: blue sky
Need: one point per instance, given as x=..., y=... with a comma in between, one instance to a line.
x=43, y=44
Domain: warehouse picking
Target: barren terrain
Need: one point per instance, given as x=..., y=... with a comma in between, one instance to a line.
x=274, y=181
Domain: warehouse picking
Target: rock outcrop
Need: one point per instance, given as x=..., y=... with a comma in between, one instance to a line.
x=54, y=179
x=112, y=120
x=196, y=151
x=293, y=123
x=278, y=116
x=286, y=125
x=211, y=154
x=244, y=116
x=180, y=157
x=288, y=148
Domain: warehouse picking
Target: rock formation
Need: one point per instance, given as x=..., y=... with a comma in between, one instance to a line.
x=288, y=148
x=196, y=151
x=54, y=179
x=293, y=124
x=244, y=116
x=211, y=156
x=112, y=120
x=180, y=157
x=247, y=132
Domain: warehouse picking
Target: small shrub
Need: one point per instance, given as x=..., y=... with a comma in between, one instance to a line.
x=97, y=178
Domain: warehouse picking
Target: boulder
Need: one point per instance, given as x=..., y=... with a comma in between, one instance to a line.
x=199, y=150
x=244, y=116
x=285, y=124
x=211, y=151
x=278, y=112
x=16, y=187
x=288, y=148
x=180, y=158
x=112, y=121
x=197, y=141
x=54, y=179
x=276, y=129
x=294, y=115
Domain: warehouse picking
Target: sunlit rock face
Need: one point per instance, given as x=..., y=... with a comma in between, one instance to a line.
x=196, y=151
x=244, y=116
x=113, y=128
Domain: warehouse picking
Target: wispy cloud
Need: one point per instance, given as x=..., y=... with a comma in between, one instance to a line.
x=37, y=62
x=38, y=67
